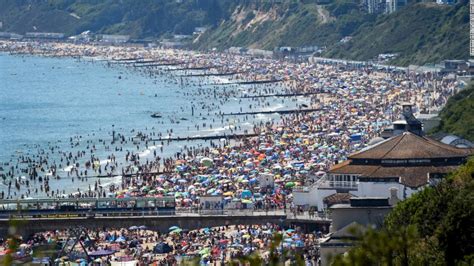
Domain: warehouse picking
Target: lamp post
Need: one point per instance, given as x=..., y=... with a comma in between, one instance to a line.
x=282, y=222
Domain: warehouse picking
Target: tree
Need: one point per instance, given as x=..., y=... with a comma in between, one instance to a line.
x=433, y=227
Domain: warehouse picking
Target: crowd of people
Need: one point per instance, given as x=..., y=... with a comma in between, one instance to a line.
x=332, y=104
x=137, y=244
x=292, y=147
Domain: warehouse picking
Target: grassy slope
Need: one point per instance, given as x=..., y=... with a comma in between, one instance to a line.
x=295, y=24
x=140, y=19
x=421, y=33
x=457, y=117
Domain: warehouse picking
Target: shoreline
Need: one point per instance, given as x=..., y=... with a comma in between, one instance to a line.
x=344, y=102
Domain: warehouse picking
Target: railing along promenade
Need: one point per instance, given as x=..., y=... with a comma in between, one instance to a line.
x=179, y=212
x=159, y=219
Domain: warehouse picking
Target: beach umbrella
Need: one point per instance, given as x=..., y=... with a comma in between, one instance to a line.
x=131, y=228
x=290, y=184
x=181, y=168
x=174, y=227
x=176, y=231
x=204, y=251
x=120, y=239
x=299, y=243
x=246, y=193
x=208, y=162
x=162, y=248
x=142, y=227
x=246, y=201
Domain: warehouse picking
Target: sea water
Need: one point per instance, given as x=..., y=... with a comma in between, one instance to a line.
x=45, y=101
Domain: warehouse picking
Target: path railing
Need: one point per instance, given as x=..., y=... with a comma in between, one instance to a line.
x=179, y=212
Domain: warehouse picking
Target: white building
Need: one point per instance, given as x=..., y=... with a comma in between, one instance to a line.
x=45, y=35
x=106, y=38
x=374, y=6
x=394, y=5
x=400, y=165
x=445, y=2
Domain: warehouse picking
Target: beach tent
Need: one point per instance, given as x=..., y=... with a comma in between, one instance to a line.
x=162, y=248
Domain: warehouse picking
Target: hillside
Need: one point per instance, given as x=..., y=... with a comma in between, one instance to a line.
x=421, y=33
x=140, y=19
x=457, y=117
x=286, y=24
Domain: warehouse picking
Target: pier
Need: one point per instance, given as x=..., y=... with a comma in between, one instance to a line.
x=250, y=82
x=189, y=68
x=212, y=74
x=122, y=175
x=157, y=64
x=291, y=111
x=205, y=138
x=280, y=95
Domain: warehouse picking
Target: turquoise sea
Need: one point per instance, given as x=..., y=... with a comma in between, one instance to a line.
x=45, y=101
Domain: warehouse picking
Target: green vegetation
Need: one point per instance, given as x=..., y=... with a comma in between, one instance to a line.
x=289, y=23
x=433, y=227
x=140, y=19
x=420, y=33
x=457, y=117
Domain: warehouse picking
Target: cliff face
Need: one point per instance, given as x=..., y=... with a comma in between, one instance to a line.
x=286, y=24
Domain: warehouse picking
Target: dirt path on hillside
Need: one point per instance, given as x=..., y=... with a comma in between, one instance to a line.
x=324, y=15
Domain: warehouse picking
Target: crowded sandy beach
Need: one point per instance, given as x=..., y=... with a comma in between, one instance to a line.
x=332, y=111
x=206, y=246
